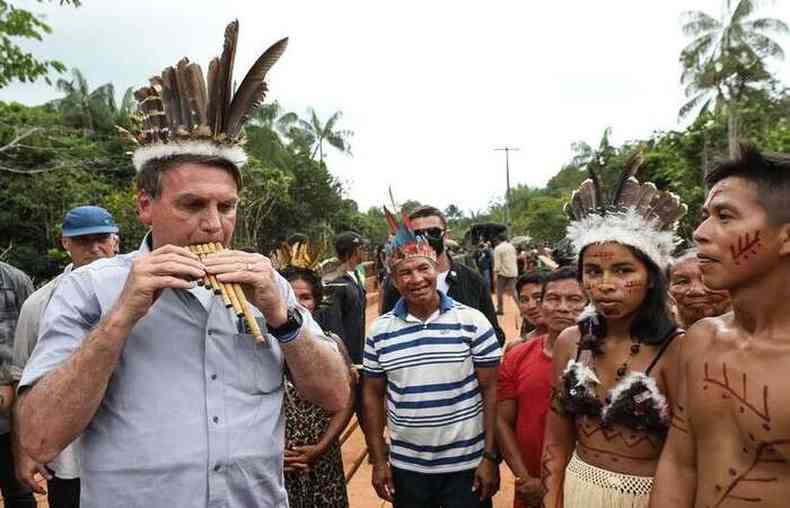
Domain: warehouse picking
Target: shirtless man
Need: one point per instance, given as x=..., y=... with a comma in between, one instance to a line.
x=729, y=444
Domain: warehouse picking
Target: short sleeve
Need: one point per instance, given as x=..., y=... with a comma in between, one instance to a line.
x=507, y=382
x=486, y=351
x=26, y=332
x=69, y=317
x=370, y=358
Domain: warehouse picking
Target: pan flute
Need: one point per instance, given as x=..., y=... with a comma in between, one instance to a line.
x=232, y=294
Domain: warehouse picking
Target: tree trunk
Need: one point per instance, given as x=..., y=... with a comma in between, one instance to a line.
x=732, y=131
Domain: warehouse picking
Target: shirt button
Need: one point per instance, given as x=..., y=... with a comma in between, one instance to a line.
x=211, y=332
x=217, y=468
x=215, y=419
x=213, y=377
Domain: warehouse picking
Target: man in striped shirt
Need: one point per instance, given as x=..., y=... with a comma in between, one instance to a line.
x=434, y=361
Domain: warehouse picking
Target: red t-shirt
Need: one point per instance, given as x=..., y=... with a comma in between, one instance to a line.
x=525, y=377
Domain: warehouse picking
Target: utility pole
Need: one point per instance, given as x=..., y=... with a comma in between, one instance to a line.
x=507, y=150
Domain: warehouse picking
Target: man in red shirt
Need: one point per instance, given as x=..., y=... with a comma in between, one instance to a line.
x=524, y=386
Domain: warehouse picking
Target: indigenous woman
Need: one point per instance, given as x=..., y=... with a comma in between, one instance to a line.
x=613, y=373
x=313, y=463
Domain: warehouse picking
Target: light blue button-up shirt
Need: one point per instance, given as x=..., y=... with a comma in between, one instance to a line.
x=192, y=415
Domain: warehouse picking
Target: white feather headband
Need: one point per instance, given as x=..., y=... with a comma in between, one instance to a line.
x=208, y=148
x=628, y=228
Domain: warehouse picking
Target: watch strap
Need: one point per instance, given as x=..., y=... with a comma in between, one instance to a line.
x=492, y=456
x=289, y=330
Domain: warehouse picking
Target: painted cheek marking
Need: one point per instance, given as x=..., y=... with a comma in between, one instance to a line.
x=747, y=246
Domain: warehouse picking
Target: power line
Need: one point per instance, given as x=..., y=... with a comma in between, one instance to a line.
x=507, y=150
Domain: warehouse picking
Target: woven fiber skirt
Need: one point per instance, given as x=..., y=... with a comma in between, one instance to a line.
x=588, y=486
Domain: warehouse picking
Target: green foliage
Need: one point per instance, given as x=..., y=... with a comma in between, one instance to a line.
x=62, y=155
x=16, y=63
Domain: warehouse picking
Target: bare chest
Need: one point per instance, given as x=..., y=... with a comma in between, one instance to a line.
x=740, y=410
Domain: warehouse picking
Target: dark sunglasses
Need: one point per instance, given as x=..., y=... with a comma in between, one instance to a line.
x=436, y=233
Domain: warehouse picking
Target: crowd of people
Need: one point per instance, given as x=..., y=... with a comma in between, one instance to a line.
x=639, y=377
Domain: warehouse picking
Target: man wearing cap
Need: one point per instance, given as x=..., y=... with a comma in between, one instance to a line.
x=178, y=400
x=15, y=288
x=348, y=290
x=433, y=362
x=89, y=233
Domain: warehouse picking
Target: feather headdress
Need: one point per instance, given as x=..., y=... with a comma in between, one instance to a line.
x=404, y=244
x=300, y=254
x=638, y=215
x=181, y=115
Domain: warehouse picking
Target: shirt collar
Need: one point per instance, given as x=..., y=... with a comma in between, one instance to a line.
x=146, y=245
x=402, y=310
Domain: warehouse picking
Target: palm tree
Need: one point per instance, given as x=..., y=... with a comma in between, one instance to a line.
x=122, y=116
x=94, y=110
x=311, y=134
x=726, y=58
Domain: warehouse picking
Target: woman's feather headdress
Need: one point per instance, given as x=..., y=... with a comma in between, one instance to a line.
x=181, y=115
x=404, y=244
x=300, y=254
x=638, y=215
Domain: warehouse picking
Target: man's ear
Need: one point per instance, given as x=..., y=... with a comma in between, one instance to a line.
x=784, y=240
x=66, y=243
x=144, y=203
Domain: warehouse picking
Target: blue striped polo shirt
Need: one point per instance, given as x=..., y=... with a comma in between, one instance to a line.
x=434, y=403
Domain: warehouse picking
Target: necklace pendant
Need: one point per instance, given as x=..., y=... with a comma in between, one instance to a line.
x=635, y=349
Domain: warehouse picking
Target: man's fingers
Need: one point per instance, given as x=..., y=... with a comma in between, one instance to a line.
x=176, y=268
x=43, y=471
x=28, y=478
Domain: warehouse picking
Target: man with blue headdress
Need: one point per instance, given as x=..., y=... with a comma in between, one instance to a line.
x=434, y=361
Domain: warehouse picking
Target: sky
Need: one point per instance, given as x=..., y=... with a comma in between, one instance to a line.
x=429, y=89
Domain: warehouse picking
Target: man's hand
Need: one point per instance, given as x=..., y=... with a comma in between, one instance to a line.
x=26, y=470
x=256, y=275
x=383, y=482
x=166, y=267
x=302, y=457
x=530, y=491
x=486, y=479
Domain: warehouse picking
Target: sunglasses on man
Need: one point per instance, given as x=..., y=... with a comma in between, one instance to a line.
x=435, y=233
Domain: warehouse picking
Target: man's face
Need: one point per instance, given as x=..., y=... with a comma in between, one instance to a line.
x=86, y=249
x=529, y=303
x=196, y=204
x=432, y=228
x=736, y=242
x=614, y=279
x=563, y=301
x=415, y=279
x=695, y=300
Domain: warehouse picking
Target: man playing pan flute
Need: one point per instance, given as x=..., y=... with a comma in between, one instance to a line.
x=177, y=403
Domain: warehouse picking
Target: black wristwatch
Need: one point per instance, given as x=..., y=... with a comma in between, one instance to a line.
x=286, y=332
x=493, y=456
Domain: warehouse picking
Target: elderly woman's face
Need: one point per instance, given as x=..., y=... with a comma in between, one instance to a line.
x=695, y=300
x=304, y=294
